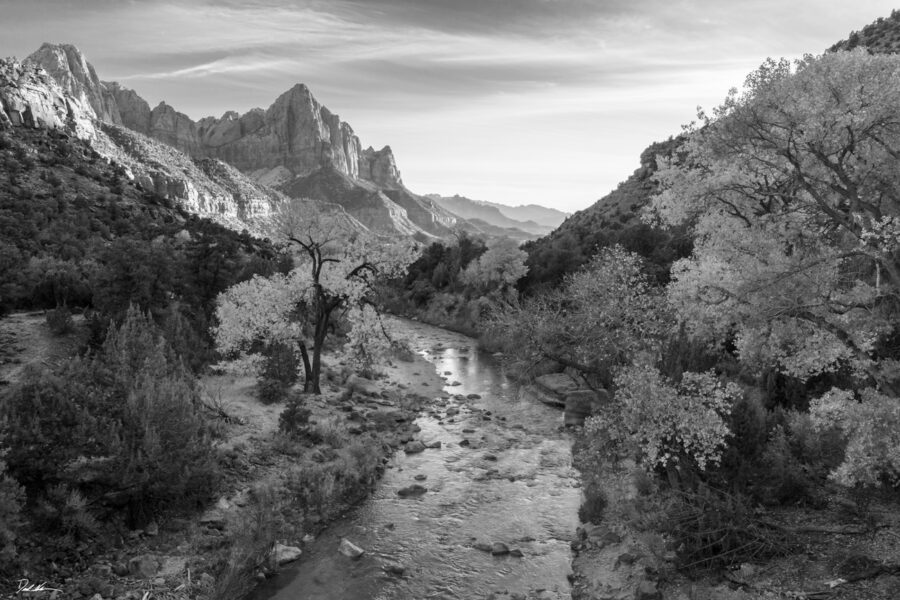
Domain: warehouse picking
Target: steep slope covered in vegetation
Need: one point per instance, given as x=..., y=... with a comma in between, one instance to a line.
x=614, y=219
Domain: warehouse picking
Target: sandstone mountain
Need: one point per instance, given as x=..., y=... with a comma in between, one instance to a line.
x=295, y=145
x=31, y=98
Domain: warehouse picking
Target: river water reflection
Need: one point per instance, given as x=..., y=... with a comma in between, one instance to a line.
x=503, y=474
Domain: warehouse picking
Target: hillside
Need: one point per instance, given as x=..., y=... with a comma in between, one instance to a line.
x=880, y=37
x=613, y=219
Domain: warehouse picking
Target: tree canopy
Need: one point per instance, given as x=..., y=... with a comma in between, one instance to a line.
x=791, y=189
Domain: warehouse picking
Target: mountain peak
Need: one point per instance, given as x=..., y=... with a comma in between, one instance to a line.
x=76, y=76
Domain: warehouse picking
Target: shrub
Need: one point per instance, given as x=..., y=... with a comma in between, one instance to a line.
x=65, y=511
x=250, y=546
x=667, y=424
x=59, y=320
x=12, y=495
x=281, y=364
x=270, y=391
x=594, y=504
x=871, y=429
x=123, y=427
x=294, y=419
x=712, y=529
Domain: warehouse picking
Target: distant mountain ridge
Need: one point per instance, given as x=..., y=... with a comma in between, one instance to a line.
x=532, y=219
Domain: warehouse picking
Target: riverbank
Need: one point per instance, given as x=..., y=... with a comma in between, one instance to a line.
x=840, y=549
x=273, y=489
x=495, y=510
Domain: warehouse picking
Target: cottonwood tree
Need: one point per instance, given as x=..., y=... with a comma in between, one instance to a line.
x=337, y=262
x=600, y=318
x=792, y=189
x=500, y=267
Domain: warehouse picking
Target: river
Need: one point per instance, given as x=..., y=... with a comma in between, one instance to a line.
x=503, y=474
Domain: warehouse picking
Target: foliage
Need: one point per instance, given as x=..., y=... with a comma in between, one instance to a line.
x=600, y=318
x=74, y=232
x=613, y=220
x=322, y=487
x=712, y=529
x=337, y=269
x=59, y=320
x=294, y=419
x=790, y=189
x=122, y=427
x=791, y=192
x=667, y=423
x=871, y=428
x=64, y=511
x=12, y=497
x=501, y=266
x=251, y=543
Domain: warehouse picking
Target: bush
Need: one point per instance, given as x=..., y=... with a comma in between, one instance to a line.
x=281, y=364
x=595, y=501
x=270, y=391
x=122, y=427
x=667, y=424
x=65, y=511
x=294, y=419
x=870, y=428
x=712, y=529
x=12, y=495
x=59, y=320
x=250, y=546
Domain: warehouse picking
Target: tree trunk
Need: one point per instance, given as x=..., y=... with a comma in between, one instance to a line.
x=307, y=369
x=318, y=343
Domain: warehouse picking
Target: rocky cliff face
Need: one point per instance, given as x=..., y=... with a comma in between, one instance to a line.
x=296, y=133
x=68, y=67
x=30, y=97
x=295, y=138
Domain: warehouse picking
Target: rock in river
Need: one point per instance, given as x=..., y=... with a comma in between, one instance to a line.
x=414, y=447
x=498, y=548
x=282, y=555
x=412, y=490
x=349, y=549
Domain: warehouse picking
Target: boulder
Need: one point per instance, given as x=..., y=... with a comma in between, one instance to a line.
x=499, y=548
x=144, y=566
x=349, y=549
x=412, y=490
x=581, y=404
x=363, y=386
x=394, y=568
x=647, y=590
x=414, y=447
x=172, y=566
x=282, y=555
x=558, y=384
x=214, y=518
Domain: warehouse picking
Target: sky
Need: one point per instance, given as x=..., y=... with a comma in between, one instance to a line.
x=513, y=101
